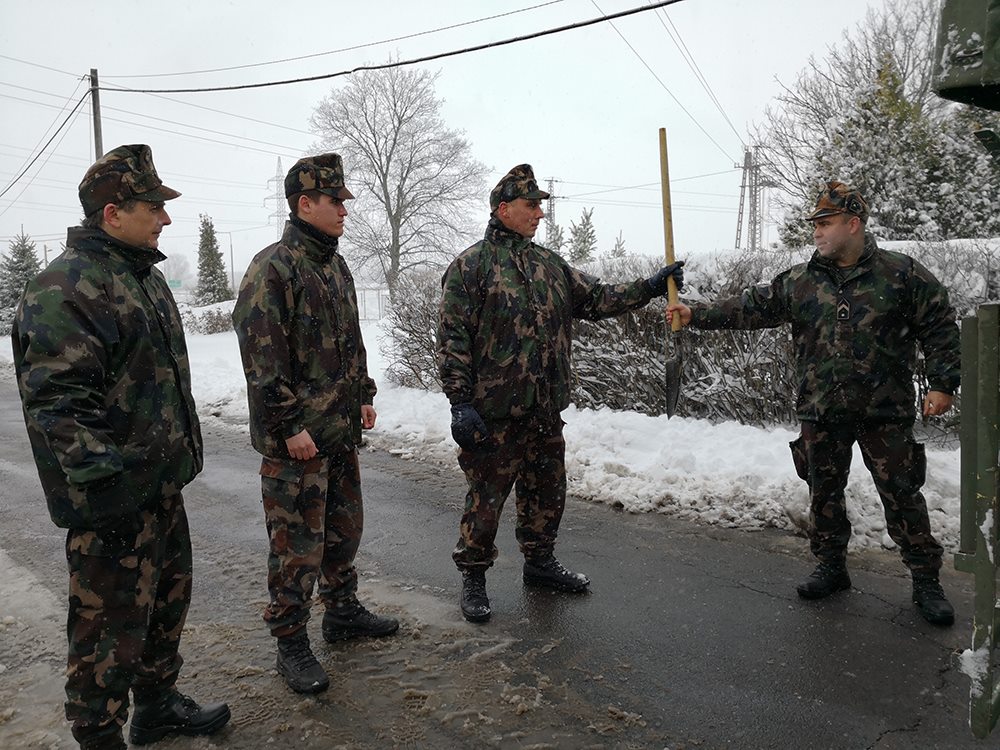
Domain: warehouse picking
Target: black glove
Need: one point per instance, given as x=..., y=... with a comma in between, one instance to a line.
x=467, y=427
x=658, y=281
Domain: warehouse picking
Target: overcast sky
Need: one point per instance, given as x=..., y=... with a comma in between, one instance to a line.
x=582, y=106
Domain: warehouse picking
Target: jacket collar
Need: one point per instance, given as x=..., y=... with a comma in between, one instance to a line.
x=498, y=234
x=316, y=244
x=98, y=241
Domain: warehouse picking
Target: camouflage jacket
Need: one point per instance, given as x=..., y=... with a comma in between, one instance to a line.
x=506, y=324
x=855, y=332
x=103, y=372
x=305, y=363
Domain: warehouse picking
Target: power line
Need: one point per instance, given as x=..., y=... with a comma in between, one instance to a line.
x=646, y=184
x=416, y=60
x=113, y=87
x=345, y=49
x=124, y=89
x=290, y=149
x=62, y=109
x=31, y=181
x=660, y=81
x=71, y=160
x=643, y=204
x=76, y=107
x=614, y=189
x=37, y=65
x=693, y=65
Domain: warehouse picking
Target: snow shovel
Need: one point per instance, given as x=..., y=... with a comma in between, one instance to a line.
x=673, y=364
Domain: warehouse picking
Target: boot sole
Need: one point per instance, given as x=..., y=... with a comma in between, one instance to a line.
x=345, y=634
x=476, y=618
x=935, y=620
x=812, y=595
x=548, y=583
x=140, y=736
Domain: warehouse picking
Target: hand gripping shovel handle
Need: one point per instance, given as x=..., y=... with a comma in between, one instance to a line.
x=673, y=364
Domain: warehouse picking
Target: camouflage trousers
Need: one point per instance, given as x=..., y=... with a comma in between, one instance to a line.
x=528, y=455
x=314, y=520
x=126, y=613
x=898, y=466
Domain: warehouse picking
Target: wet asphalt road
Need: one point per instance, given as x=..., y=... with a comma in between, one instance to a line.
x=692, y=636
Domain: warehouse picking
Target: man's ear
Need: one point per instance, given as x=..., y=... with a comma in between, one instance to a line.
x=304, y=205
x=110, y=215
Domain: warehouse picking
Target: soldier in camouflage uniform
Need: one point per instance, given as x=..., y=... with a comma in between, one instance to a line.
x=103, y=375
x=506, y=329
x=858, y=314
x=310, y=396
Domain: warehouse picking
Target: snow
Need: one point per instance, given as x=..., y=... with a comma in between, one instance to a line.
x=727, y=474
x=976, y=665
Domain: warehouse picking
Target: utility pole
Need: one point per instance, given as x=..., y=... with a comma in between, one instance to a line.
x=752, y=193
x=278, y=196
x=95, y=106
x=550, y=210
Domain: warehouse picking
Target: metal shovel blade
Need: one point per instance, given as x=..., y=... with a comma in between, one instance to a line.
x=673, y=383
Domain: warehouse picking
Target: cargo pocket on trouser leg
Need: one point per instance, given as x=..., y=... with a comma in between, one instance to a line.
x=800, y=458
x=294, y=497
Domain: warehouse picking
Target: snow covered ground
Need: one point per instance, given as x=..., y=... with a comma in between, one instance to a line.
x=726, y=474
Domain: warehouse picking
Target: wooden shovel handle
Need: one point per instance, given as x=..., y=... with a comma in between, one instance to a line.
x=668, y=225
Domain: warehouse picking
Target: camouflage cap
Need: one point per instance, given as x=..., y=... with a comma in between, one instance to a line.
x=125, y=173
x=838, y=198
x=324, y=172
x=519, y=182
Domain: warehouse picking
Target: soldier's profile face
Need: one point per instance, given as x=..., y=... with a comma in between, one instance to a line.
x=141, y=226
x=833, y=235
x=327, y=214
x=521, y=215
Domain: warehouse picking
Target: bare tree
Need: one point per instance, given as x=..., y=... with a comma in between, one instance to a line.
x=177, y=267
x=416, y=182
x=807, y=115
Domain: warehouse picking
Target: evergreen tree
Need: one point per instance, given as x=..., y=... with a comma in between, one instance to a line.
x=554, y=237
x=18, y=267
x=582, y=239
x=213, y=286
x=967, y=177
x=618, y=250
x=867, y=114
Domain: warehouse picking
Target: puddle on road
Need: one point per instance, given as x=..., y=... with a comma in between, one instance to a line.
x=440, y=682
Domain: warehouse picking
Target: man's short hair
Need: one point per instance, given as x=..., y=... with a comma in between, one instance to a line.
x=293, y=200
x=94, y=219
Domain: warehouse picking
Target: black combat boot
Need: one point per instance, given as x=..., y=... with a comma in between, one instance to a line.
x=549, y=573
x=106, y=741
x=827, y=579
x=350, y=619
x=298, y=665
x=173, y=713
x=930, y=599
x=475, y=603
